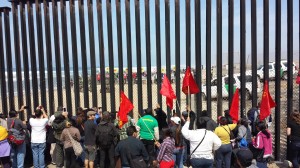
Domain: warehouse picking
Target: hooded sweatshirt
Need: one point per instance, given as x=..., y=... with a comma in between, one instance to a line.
x=261, y=141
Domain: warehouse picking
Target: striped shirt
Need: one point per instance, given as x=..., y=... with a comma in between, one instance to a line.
x=166, y=150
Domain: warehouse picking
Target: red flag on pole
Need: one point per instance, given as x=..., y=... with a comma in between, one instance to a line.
x=167, y=90
x=266, y=103
x=189, y=83
x=234, y=109
x=125, y=107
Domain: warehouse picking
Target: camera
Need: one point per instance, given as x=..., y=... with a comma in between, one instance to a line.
x=64, y=109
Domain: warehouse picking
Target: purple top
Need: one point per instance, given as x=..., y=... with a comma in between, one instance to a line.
x=4, y=148
x=166, y=150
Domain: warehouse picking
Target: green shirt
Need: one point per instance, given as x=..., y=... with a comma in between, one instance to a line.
x=151, y=123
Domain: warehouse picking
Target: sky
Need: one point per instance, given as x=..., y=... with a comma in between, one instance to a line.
x=272, y=15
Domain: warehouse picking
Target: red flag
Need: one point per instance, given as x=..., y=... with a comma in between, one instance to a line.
x=266, y=103
x=234, y=109
x=125, y=107
x=167, y=90
x=189, y=82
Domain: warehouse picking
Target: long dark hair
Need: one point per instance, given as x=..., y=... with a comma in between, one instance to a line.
x=244, y=122
x=167, y=132
x=178, y=134
x=295, y=116
x=262, y=127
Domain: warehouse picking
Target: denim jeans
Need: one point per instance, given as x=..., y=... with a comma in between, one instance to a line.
x=17, y=155
x=262, y=164
x=199, y=163
x=223, y=154
x=295, y=152
x=178, y=157
x=38, y=154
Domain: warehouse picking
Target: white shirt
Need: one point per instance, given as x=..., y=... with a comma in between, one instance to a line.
x=38, y=129
x=210, y=142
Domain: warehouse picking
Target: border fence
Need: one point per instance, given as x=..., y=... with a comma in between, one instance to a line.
x=63, y=53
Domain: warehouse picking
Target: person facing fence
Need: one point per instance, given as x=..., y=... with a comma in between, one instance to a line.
x=203, y=143
x=293, y=131
x=131, y=150
x=224, y=132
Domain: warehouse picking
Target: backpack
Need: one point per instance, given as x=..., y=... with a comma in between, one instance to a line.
x=105, y=136
x=15, y=137
x=3, y=133
x=251, y=114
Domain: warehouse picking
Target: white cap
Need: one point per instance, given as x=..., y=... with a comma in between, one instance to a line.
x=176, y=120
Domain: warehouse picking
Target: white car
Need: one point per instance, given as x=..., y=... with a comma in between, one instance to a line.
x=236, y=84
x=272, y=72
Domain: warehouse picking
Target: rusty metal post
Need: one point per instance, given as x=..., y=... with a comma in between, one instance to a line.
x=230, y=49
x=101, y=50
x=243, y=57
x=219, y=58
x=2, y=69
x=208, y=56
x=85, y=79
x=198, y=73
x=57, y=53
x=254, y=51
x=148, y=54
x=40, y=55
x=25, y=56
x=111, y=57
x=129, y=51
x=65, y=46
x=51, y=106
x=138, y=56
x=278, y=80
x=74, y=54
x=177, y=55
x=92, y=53
x=120, y=46
x=17, y=53
x=9, y=58
x=158, y=51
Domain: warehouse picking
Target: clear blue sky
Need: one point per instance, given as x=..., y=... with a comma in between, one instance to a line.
x=183, y=31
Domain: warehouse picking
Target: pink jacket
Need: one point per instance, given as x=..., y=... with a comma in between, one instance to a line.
x=261, y=141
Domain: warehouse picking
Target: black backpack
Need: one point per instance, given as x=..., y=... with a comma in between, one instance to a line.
x=105, y=136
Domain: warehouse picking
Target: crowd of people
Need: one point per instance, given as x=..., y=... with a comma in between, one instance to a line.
x=191, y=139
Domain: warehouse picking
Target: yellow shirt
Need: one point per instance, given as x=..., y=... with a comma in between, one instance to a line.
x=223, y=132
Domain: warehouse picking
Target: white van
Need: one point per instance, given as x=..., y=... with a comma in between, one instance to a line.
x=272, y=72
x=236, y=84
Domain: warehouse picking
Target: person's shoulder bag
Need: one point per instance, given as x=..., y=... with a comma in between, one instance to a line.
x=188, y=159
x=75, y=144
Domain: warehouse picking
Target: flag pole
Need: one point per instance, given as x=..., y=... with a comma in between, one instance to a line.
x=189, y=101
x=178, y=105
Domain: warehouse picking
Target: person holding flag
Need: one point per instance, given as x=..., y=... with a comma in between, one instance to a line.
x=124, y=120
